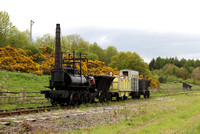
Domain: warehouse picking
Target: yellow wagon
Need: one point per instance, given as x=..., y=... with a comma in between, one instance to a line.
x=127, y=84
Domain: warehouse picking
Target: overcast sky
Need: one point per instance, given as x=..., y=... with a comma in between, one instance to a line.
x=151, y=28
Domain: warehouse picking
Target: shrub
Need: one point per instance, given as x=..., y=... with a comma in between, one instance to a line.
x=162, y=79
x=196, y=73
x=34, y=53
x=171, y=78
x=17, y=60
x=180, y=80
x=154, y=83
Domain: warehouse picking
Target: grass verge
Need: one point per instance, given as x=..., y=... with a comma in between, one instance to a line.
x=173, y=114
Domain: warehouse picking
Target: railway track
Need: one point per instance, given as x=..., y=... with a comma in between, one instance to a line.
x=30, y=110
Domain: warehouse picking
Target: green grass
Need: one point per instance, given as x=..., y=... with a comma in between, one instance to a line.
x=176, y=86
x=181, y=115
x=17, y=81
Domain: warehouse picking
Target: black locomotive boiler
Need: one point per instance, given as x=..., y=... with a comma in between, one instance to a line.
x=69, y=86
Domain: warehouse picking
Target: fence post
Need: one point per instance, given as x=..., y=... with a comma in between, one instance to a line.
x=23, y=96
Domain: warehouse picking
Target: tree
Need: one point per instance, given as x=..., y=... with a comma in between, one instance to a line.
x=169, y=69
x=46, y=40
x=96, y=49
x=92, y=56
x=74, y=40
x=128, y=60
x=18, y=39
x=10, y=35
x=151, y=64
x=196, y=73
x=182, y=62
x=159, y=63
x=5, y=27
x=188, y=68
x=182, y=73
x=84, y=45
x=110, y=52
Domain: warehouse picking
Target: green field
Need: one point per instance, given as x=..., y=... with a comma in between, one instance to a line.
x=19, y=82
x=171, y=114
x=170, y=109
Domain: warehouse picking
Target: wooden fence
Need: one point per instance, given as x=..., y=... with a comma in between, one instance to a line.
x=22, y=97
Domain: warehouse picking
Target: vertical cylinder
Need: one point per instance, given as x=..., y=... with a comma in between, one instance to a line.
x=57, y=49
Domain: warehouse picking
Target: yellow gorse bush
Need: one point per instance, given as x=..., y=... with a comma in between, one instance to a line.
x=13, y=59
x=48, y=60
x=154, y=83
x=17, y=60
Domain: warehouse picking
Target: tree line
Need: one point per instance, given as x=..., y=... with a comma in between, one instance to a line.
x=174, y=70
x=159, y=63
x=10, y=35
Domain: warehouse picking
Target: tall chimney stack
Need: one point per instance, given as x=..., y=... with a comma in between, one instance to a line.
x=58, y=64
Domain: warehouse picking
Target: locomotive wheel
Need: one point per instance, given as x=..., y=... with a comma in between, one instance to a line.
x=81, y=97
x=87, y=97
x=53, y=102
x=101, y=96
x=62, y=103
x=74, y=98
x=85, y=94
x=91, y=98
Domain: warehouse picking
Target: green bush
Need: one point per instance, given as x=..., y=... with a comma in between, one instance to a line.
x=33, y=50
x=162, y=79
x=192, y=81
x=171, y=78
x=180, y=80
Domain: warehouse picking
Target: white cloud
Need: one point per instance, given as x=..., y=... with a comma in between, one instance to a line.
x=177, y=16
x=147, y=60
x=103, y=40
x=189, y=56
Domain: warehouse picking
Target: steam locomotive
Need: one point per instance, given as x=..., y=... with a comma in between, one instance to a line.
x=69, y=86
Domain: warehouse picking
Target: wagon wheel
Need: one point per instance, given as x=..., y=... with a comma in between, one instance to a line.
x=117, y=97
x=133, y=95
x=138, y=95
x=145, y=94
x=101, y=96
x=124, y=97
x=53, y=102
x=148, y=94
x=109, y=96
